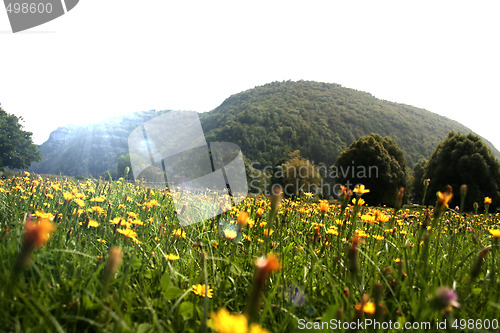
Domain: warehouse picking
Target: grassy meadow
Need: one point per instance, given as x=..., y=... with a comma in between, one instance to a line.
x=97, y=256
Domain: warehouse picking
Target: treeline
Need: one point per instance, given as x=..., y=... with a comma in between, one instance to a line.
x=462, y=166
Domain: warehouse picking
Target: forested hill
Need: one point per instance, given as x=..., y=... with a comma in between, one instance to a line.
x=321, y=120
x=267, y=122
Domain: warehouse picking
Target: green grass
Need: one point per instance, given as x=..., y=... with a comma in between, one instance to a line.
x=323, y=276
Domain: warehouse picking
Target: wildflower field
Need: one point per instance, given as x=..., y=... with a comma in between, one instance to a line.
x=98, y=256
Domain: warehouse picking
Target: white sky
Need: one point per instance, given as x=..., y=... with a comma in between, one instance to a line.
x=111, y=57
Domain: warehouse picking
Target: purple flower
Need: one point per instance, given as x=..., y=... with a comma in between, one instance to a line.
x=446, y=296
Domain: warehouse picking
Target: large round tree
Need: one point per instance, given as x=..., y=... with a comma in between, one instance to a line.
x=464, y=159
x=376, y=162
x=17, y=150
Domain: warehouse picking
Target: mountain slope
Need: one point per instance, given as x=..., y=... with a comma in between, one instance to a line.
x=321, y=120
x=267, y=122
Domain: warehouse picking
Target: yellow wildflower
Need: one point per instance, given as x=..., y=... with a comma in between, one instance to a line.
x=129, y=234
x=93, y=223
x=37, y=233
x=495, y=233
x=68, y=196
x=202, y=290
x=97, y=209
x=324, y=206
x=243, y=218
x=230, y=234
x=359, y=202
x=268, y=232
x=368, y=307
x=225, y=322
x=179, y=233
x=360, y=189
x=80, y=202
x=41, y=215
x=152, y=203
x=172, y=257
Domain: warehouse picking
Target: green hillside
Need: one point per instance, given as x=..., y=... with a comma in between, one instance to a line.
x=267, y=122
x=321, y=120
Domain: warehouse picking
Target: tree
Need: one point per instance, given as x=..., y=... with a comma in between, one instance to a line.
x=376, y=162
x=464, y=159
x=417, y=181
x=298, y=175
x=17, y=149
x=122, y=165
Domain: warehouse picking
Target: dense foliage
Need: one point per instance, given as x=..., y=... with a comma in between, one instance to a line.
x=17, y=150
x=268, y=123
x=378, y=163
x=464, y=159
x=298, y=175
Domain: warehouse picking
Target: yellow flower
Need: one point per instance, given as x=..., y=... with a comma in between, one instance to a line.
x=324, y=206
x=359, y=202
x=132, y=215
x=42, y=215
x=80, y=202
x=361, y=234
x=179, y=233
x=129, y=234
x=97, y=209
x=93, y=223
x=202, y=290
x=495, y=233
x=152, y=203
x=230, y=234
x=487, y=200
x=36, y=234
x=260, y=211
x=100, y=240
x=98, y=199
x=368, y=307
x=444, y=198
x=243, y=219
x=68, y=196
x=332, y=231
x=268, y=264
x=225, y=322
x=360, y=189
x=137, y=222
x=268, y=232
x=368, y=218
x=116, y=220
x=381, y=217
x=308, y=194
x=172, y=257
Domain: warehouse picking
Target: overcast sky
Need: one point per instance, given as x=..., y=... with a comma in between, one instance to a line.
x=106, y=58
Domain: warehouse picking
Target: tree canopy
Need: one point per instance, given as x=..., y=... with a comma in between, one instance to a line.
x=464, y=159
x=17, y=150
x=376, y=162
